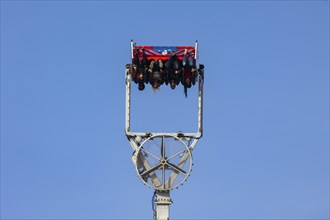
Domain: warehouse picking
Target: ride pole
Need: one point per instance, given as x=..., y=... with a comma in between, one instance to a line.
x=163, y=202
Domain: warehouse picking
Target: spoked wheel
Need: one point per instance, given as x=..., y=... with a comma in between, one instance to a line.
x=163, y=162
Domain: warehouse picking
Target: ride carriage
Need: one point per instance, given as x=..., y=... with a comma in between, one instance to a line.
x=185, y=56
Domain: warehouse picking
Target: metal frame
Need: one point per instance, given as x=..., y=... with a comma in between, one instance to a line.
x=137, y=139
x=132, y=135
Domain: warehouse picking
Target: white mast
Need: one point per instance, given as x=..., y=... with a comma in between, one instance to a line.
x=170, y=170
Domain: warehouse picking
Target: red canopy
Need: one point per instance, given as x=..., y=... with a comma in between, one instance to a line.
x=164, y=52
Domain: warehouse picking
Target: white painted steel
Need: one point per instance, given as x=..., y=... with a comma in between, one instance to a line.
x=164, y=162
x=163, y=203
x=138, y=139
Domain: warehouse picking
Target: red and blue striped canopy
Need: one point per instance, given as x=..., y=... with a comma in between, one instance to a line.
x=164, y=52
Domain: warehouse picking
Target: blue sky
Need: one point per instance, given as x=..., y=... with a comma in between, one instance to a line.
x=265, y=149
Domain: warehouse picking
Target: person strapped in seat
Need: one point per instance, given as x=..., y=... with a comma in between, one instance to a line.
x=139, y=68
x=173, y=71
x=189, y=71
x=156, y=74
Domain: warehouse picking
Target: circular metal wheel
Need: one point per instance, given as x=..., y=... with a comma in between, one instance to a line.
x=163, y=162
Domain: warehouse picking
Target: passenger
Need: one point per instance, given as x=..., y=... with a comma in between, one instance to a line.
x=139, y=68
x=187, y=80
x=189, y=77
x=139, y=65
x=156, y=66
x=173, y=71
x=189, y=71
x=173, y=83
x=156, y=74
x=140, y=57
x=141, y=86
x=172, y=78
x=188, y=59
x=173, y=63
x=156, y=81
x=140, y=79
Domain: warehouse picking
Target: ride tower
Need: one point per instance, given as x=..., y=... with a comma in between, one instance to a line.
x=163, y=161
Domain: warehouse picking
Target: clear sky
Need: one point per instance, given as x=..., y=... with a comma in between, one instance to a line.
x=265, y=149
